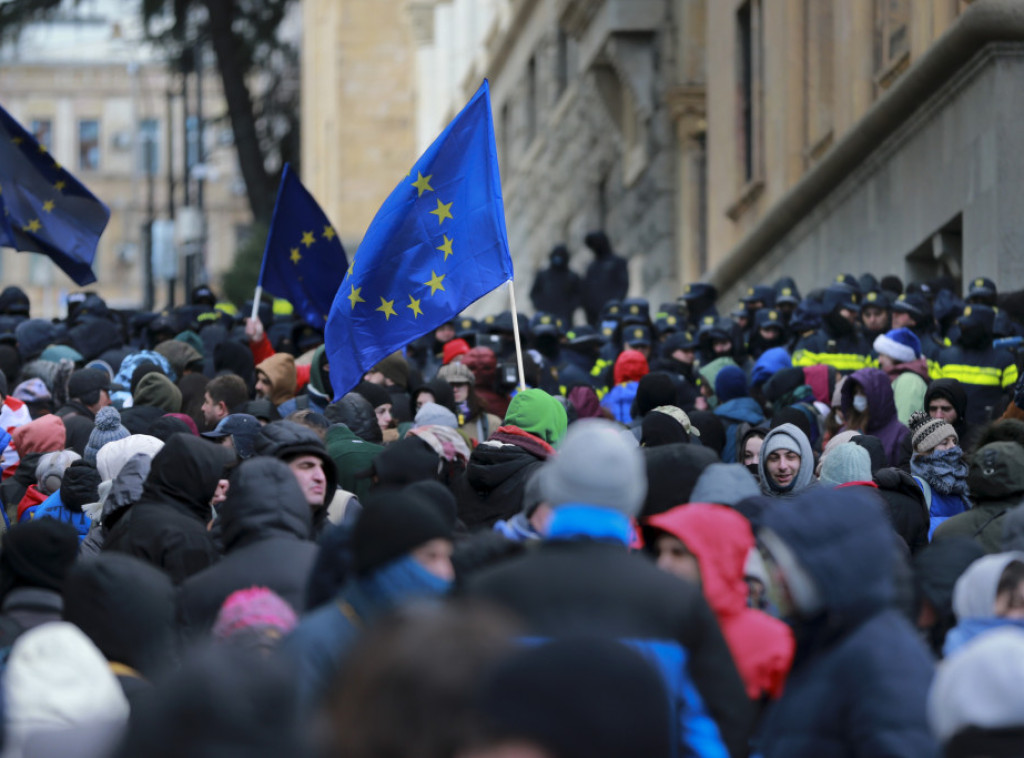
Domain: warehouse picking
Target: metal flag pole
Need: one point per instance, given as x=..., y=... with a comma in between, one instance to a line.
x=515, y=332
x=256, y=300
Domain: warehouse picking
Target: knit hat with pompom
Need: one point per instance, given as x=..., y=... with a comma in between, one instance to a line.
x=107, y=428
x=927, y=432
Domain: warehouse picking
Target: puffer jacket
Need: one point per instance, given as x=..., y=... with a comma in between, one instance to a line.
x=266, y=527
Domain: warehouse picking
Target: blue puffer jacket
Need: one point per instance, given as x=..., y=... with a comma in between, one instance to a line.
x=860, y=679
x=53, y=507
x=619, y=401
x=734, y=412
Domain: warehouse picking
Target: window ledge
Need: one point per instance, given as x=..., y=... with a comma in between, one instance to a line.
x=890, y=73
x=751, y=191
x=819, y=147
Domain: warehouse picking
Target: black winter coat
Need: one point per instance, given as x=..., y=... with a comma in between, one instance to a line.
x=167, y=527
x=585, y=587
x=905, y=505
x=266, y=526
x=492, y=486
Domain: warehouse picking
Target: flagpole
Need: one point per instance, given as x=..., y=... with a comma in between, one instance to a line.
x=515, y=332
x=256, y=300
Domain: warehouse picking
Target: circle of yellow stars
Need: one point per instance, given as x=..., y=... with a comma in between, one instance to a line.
x=35, y=225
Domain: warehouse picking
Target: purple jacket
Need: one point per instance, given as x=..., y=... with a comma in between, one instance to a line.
x=882, y=421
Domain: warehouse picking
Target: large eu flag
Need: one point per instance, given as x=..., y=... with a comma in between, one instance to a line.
x=436, y=245
x=304, y=261
x=43, y=208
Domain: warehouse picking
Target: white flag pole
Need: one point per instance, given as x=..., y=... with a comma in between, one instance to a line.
x=515, y=332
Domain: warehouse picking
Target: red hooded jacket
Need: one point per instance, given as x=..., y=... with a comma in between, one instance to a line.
x=720, y=538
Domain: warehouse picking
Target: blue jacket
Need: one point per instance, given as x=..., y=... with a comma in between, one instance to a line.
x=860, y=679
x=619, y=401
x=734, y=412
x=53, y=507
x=317, y=647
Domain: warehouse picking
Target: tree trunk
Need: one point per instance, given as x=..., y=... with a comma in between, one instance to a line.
x=259, y=185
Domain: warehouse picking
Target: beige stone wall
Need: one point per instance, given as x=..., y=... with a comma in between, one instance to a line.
x=358, y=107
x=819, y=78
x=118, y=96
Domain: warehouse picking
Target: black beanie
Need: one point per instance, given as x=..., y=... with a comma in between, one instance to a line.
x=567, y=697
x=392, y=524
x=374, y=393
x=791, y=415
x=80, y=486
x=405, y=462
x=37, y=554
x=654, y=390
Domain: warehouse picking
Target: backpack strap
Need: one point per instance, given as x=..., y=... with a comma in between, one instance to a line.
x=927, y=490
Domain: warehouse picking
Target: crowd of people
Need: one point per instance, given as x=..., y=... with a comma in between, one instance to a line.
x=792, y=530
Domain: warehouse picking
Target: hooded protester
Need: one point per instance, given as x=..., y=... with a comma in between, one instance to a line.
x=356, y=413
x=305, y=454
x=78, y=488
x=436, y=391
x=167, y=527
x=35, y=558
x=671, y=473
x=724, y=484
x=498, y=469
x=666, y=425
x=786, y=465
x=709, y=544
x=401, y=551
x=58, y=686
x=154, y=396
x=607, y=276
x=49, y=475
x=557, y=289
x=630, y=368
x=861, y=674
x=988, y=595
x=735, y=407
x=939, y=468
x=275, y=379
x=31, y=440
x=583, y=579
x=899, y=356
x=126, y=607
x=351, y=455
x=266, y=530
x=936, y=571
x=975, y=705
x=995, y=479
x=484, y=364
x=868, y=406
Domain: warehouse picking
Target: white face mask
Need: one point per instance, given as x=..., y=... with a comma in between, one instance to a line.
x=860, y=403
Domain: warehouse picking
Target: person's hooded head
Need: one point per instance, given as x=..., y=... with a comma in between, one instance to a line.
x=996, y=473
x=275, y=378
x=786, y=465
x=157, y=391
x=536, y=412
x=44, y=435
x=672, y=471
x=354, y=411
x=264, y=501
x=405, y=462
x=947, y=398
x=302, y=449
x=724, y=484
x=654, y=390
x=630, y=366
x=126, y=607
x=869, y=390
x=37, y=554
x=185, y=473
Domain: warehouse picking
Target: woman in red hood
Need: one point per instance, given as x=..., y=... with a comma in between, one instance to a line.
x=709, y=544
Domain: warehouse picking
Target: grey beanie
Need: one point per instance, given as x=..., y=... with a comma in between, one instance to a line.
x=596, y=466
x=433, y=414
x=725, y=484
x=846, y=463
x=107, y=428
x=50, y=469
x=781, y=440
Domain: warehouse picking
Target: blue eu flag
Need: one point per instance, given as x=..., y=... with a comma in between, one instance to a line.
x=43, y=208
x=304, y=261
x=436, y=245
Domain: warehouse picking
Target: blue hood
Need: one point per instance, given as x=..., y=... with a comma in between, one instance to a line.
x=741, y=409
x=771, y=362
x=845, y=543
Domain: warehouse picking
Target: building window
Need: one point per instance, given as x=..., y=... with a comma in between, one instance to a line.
x=42, y=130
x=89, y=144
x=191, y=141
x=149, y=146
x=819, y=36
x=750, y=86
x=891, y=39
x=531, y=99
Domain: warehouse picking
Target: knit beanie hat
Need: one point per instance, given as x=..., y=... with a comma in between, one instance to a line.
x=50, y=469
x=780, y=441
x=392, y=525
x=902, y=345
x=256, y=615
x=596, y=466
x=655, y=389
x=374, y=393
x=395, y=368
x=927, y=432
x=453, y=349
x=37, y=554
x=730, y=383
x=846, y=463
x=536, y=412
x=107, y=428
x=432, y=413
x=457, y=373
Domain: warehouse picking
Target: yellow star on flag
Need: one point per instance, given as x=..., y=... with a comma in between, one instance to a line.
x=329, y=232
x=307, y=239
x=414, y=306
x=48, y=206
x=436, y=283
x=56, y=165
x=295, y=256
x=422, y=183
x=42, y=148
x=387, y=307
x=60, y=185
x=353, y=297
x=33, y=226
x=446, y=248
x=443, y=211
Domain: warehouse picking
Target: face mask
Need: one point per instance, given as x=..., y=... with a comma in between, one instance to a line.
x=752, y=468
x=860, y=403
